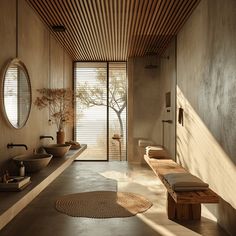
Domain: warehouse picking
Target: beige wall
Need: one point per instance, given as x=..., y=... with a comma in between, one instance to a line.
x=34, y=52
x=206, y=85
x=146, y=102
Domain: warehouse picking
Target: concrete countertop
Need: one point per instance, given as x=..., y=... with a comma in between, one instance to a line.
x=11, y=203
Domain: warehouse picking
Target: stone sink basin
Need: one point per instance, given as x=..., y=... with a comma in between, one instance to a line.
x=33, y=162
x=57, y=150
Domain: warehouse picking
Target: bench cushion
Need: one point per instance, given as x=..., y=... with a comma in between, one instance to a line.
x=185, y=182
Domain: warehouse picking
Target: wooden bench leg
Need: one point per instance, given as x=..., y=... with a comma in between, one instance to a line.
x=178, y=211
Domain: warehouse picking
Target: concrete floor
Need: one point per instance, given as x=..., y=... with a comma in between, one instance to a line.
x=40, y=218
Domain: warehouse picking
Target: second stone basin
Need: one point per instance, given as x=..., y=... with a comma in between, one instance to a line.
x=33, y=162
x=57, y=150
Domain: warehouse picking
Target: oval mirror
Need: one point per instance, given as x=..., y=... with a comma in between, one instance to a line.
x=16, y=93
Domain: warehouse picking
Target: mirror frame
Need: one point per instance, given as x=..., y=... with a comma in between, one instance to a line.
x=17, y=62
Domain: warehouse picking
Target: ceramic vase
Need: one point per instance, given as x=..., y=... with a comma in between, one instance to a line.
x=60, y=137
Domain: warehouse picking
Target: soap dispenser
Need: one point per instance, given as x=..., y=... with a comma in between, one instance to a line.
x=22, y=169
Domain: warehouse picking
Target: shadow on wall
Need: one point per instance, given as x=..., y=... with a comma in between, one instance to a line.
x=202, y=155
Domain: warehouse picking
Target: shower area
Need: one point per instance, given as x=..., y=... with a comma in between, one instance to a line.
x=151, y=103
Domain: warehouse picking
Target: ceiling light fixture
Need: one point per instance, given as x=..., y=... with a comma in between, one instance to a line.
x=61, y=29
x=58, y=28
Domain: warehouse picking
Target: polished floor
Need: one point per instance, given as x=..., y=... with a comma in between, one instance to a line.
x=40, y=218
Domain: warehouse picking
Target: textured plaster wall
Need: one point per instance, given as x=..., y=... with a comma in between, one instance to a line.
x=33, y=49
x=144, y=93
x=206, y=89
x=146, y=102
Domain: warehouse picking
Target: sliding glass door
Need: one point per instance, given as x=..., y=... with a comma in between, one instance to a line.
x=117, y=111
x=100, y=121
x=91, y=109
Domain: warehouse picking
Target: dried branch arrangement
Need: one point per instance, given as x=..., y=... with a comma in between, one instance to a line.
x=60, y=104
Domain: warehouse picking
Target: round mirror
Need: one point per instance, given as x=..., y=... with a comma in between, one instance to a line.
x=16, y=93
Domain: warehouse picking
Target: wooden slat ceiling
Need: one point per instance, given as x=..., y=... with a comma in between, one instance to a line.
x=113, y=30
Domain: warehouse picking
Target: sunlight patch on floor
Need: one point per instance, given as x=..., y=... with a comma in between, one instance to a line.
x=116, y=175
x=142, y=181
x=167, y=230
x=207, y=214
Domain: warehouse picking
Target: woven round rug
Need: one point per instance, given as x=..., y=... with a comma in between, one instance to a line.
x=102, y=204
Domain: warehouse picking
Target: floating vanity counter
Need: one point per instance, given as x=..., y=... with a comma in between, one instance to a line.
x=12, y=203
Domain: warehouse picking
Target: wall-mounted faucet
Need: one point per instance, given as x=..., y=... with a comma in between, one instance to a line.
x=46, y=136
x=11, y=145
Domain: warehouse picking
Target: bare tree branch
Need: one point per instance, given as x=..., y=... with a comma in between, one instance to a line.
x=91, y=95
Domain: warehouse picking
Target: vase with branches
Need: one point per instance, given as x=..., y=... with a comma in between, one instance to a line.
x=60, y=104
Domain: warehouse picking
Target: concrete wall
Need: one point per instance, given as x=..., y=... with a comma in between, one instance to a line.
x=206, y=90
x=34, y=40
x=167, y=83
x=143, y=90
x=146, y=102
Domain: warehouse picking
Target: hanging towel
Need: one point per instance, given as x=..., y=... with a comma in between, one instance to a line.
x=156, y=152
x=181, y=116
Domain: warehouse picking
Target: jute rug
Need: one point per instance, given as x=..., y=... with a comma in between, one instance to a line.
x=102, y=204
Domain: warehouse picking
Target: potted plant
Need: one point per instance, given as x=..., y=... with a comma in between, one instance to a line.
x=60, y=104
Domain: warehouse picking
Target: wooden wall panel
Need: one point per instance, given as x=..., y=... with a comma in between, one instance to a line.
x=100, y=30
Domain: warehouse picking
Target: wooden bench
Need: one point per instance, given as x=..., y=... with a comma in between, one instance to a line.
x=181, y=205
